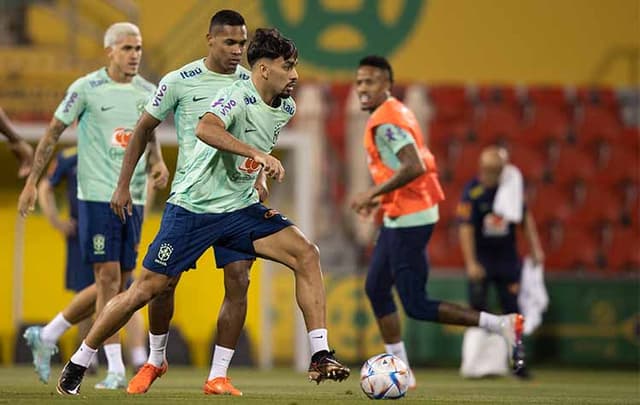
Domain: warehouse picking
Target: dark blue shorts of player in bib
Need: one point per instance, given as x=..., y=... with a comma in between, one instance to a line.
x=184, y=236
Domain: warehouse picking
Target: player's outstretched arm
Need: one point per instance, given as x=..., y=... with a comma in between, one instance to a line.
x=27, y=199
x=211, y=130
x=20, y=148
x=143, y=133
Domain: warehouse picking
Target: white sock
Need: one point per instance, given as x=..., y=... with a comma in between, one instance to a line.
x=490, y=322
x=138, y=356
x=83, y=355
x=398, y=350
x=318, y=340
x=52, y=331
x=113, y=352
x=157, y=349
x=220, y=362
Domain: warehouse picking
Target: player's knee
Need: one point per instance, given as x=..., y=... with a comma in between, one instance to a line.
x=108, y=277
x=309, y=253
x=236, y=285
x=424, y=310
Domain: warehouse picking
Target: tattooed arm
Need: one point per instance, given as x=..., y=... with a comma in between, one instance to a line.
x=46, y=146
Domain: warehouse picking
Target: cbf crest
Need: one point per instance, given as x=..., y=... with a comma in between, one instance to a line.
x=98, y=244
x=164, y=253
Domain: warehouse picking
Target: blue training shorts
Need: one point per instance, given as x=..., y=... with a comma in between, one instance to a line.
x=79, y=274
x=103, y=236
x=184, y=236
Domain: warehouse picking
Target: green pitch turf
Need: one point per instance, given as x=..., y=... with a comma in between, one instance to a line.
x=19, y=385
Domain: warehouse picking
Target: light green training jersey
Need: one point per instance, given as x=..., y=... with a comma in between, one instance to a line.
x=188, y=92
x=217, y=181
x=107, y=112
x=389, y=140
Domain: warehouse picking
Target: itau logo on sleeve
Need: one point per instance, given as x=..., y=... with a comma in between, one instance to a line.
x=98, y=244
x=164, y=253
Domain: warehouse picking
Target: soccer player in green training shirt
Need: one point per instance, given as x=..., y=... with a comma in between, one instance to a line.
x=106, y=103
x=187, y=92
x=217, y=204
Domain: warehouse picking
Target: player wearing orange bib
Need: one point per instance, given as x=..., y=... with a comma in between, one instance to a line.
x=407, y=193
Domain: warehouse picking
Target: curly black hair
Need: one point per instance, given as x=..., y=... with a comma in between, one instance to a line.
x=270, y=43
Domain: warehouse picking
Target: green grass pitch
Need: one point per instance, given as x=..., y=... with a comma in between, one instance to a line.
x=19, y=385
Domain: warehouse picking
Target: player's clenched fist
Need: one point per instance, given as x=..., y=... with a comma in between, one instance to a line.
x=271, y=166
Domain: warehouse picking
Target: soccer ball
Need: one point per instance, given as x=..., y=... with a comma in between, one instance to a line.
x=384, y=376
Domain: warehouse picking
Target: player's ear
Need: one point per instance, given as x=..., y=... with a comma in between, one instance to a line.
x=209, y=38
x=264, y=70
x=108, y=51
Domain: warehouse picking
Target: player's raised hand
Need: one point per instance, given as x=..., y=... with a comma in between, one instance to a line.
x=160, y=175
x=271, y=166
x=121, y=204
x=27, y=199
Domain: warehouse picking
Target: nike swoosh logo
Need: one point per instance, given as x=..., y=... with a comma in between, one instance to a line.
x=317, y=337
x=196, y=99
x=250, y=130
x=103, y=109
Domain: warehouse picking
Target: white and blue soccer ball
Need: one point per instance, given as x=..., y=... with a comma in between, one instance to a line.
x=384, y=376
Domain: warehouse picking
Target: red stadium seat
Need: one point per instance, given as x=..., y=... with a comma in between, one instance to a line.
x=595, y=123
x=549, y=112
x=444, y=247
x=462, y=166
x=549, y=203
x=496, y=123
x=631, y=138
x=570, y=248
x=451, y=102
x=502, y=95
x=598, y=205
x=617, y=163
x=529, y=160
x=623, y=251
x=600, y=96
x=571, y=164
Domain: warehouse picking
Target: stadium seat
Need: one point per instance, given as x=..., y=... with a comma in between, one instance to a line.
x=549, y=203
x=570, y=164
x=495, y=123
x=503, y=95
x=604, y=97
x=623, y=250
x=595, y=205
x=548, y=112
x=616, y=163
x=462, y=164
x=444, y=247
x=630, y=137
x=570, y=248
x=529, y=160
x=451, y=102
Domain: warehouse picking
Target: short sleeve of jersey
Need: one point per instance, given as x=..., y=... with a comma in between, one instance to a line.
x=464, y=208
x=73, y=104
x=57, y=170
x=227, y=105
x=393, y=137
x=164, y=99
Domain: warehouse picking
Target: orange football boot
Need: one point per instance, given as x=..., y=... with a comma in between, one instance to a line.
x=221, y=386
x=141, y=382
